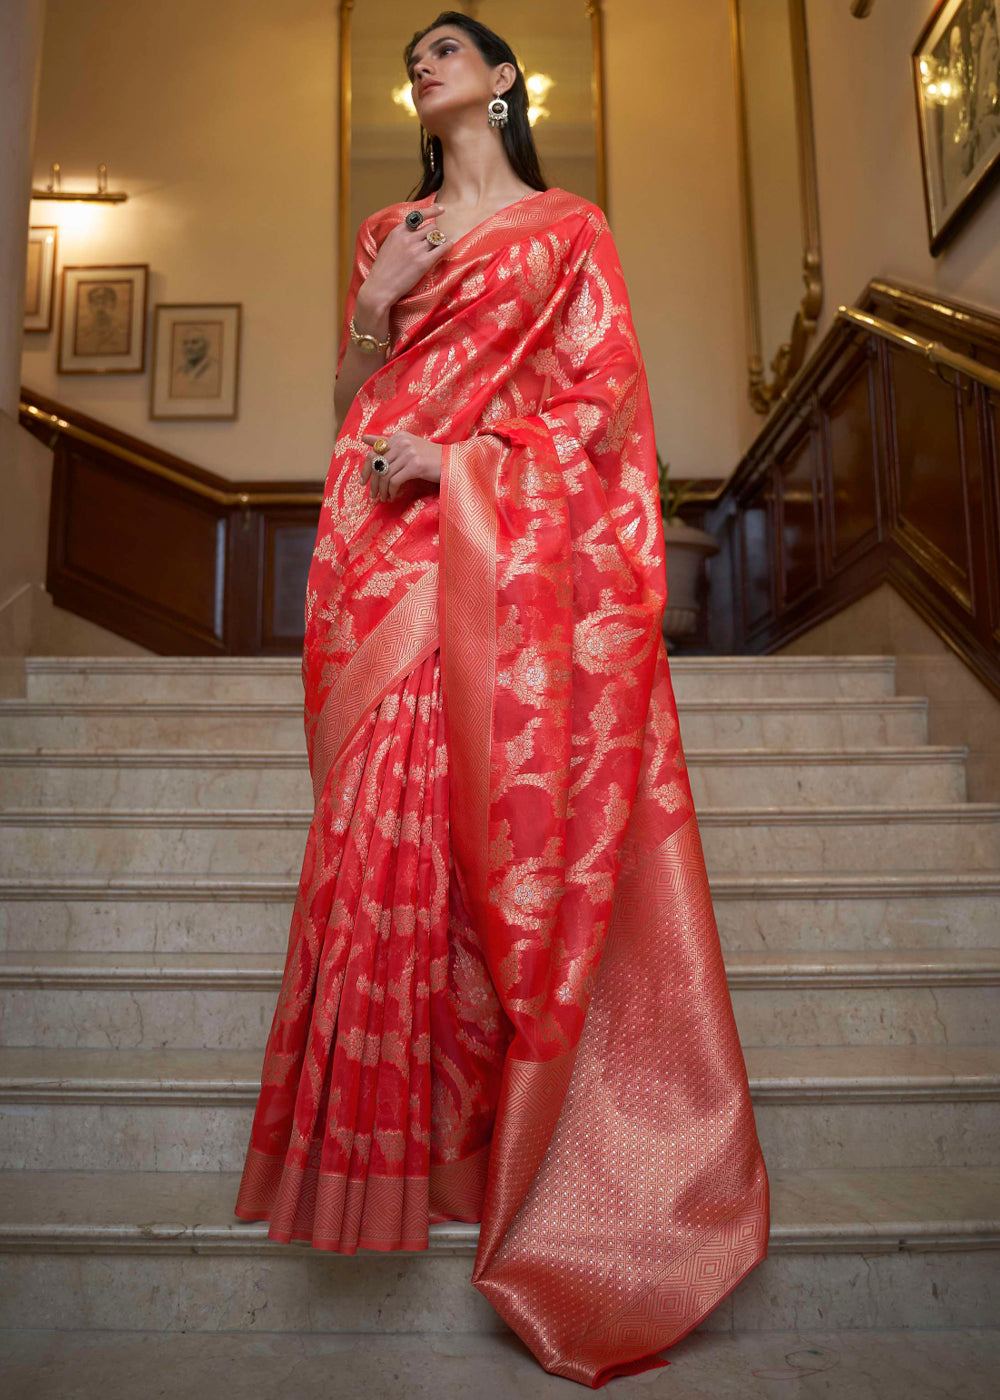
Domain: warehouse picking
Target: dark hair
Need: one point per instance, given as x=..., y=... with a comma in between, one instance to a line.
x=518, y=141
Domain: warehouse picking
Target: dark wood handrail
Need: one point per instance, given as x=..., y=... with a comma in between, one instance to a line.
x=879, y=463
x=959, y=319
x=49, y=421
x=166, y=553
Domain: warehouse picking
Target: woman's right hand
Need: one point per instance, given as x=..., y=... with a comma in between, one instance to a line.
x=401, y=261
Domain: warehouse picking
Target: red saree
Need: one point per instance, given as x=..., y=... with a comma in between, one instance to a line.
x=504, y=998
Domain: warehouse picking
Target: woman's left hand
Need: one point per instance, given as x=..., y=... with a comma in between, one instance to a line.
x=409, y=458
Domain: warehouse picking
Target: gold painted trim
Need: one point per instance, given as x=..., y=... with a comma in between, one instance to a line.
x=344, y=250
x=596, y=12
x=345, y=242
x=190, y=483
x=791, y=354
x=932, y=350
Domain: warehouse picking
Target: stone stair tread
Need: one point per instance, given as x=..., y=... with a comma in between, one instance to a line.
x=798, y=814
x=293, y=665
x=797, y=885
x=773, y=1070
x=867, y=753
x=891, y=1208
x=453, y=1364
x=177, y=757
x=744, y=967
x=764, y=703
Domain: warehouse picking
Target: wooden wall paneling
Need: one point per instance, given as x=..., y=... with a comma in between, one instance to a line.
x=758, y=556
x=244, y=581
x=723, y=612
x=133, y=553
x=290, y=537
x=165, y=553
x=797, y=518
x=989, y=448
x=849, y=436
x=901, y=459
x=930, y=472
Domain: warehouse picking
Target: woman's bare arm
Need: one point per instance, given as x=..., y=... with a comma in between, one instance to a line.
x=371, y=316
x=401, y=261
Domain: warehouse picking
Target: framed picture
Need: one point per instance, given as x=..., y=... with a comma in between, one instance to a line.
x=40, y=281
x=956, y=71
x=102, y=320
x=196, y=360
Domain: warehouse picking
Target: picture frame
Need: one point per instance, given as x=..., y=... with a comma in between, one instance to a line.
x=40, y=277
x=196, y=360
x=956, y=74
x=102, y=319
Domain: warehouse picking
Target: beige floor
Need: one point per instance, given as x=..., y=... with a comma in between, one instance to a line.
x=912, y=1365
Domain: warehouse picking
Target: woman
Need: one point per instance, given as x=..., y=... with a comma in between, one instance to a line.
x=504, y=999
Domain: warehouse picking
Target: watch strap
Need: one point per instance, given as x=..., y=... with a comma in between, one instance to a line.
x=369, y=344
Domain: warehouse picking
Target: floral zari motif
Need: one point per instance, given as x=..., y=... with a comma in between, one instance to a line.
x=504, y=999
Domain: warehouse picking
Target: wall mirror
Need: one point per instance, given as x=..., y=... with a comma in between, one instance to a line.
x=559, y=45
x=781, y=254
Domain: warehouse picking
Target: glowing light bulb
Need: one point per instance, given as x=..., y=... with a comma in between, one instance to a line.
x=403, y=97
x=80, y=220
x=538, y=85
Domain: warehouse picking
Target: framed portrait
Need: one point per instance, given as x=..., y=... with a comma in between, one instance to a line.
x=956, y=72
x=39, y=284
x=196, y=360
x=102, y=319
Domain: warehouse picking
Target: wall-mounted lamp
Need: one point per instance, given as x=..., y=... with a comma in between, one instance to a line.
x=102, y=195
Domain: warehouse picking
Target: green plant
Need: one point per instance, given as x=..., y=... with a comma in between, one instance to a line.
x=672, y=495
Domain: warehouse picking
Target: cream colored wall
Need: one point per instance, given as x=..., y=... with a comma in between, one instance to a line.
x=872, y=219
x=962, y=710
x=674, y=192
x=219, y=120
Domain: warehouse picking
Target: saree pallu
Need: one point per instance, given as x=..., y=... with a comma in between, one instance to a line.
x=504, y=998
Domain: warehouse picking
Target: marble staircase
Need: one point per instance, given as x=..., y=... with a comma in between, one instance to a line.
x=152, y=821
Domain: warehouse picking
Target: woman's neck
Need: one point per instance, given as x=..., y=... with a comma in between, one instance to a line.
x=477, y=173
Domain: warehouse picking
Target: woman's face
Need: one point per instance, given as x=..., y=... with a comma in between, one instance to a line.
x=449, y=74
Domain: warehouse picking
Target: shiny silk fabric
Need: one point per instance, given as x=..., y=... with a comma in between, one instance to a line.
x=504, y=998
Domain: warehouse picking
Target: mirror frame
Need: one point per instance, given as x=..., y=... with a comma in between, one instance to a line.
x=345, y=234
x=791, y=353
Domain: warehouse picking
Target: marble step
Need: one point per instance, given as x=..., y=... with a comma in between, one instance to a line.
x=825, y=1211
x=961, y=836
x=855, y=912
x=208, y=779
x=252, y=914
x=163, y=1250
x=900, y=1360
x=182, y=1110
x=781, y=723
x=191, y=1000
x=820, y=777
x=280, y=678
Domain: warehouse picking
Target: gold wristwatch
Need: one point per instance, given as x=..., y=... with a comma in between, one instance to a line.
x=367, y=343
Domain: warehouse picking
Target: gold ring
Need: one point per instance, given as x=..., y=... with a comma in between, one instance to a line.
x=434, y=236
x=381, y=445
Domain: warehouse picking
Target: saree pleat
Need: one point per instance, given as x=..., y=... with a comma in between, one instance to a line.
x=504, y=998
x=384, y=1057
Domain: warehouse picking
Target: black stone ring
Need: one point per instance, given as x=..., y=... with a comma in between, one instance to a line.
x=414, y=218
x=380, y=465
